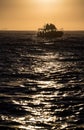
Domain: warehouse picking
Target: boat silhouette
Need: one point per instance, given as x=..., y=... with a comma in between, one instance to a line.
x=49, y=31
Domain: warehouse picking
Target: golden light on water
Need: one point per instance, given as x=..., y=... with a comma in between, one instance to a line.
x=44, y=101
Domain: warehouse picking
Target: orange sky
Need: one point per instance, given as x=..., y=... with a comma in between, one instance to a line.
x=32, y=14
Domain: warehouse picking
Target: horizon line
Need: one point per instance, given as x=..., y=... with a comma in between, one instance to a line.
x=37, y=30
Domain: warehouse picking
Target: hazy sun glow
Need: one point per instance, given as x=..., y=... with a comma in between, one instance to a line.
x=45, y=1
x=32, y=14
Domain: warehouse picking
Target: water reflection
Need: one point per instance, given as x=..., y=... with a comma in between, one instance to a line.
x=42, y=90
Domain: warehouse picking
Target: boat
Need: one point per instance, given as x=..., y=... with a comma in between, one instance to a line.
x=49, y=31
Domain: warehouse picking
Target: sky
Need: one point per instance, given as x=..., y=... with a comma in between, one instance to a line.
x=32, y=14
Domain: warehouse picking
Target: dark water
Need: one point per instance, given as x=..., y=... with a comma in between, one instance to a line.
x=41, y=82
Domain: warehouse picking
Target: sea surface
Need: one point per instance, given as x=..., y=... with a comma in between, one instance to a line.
x=41, y=81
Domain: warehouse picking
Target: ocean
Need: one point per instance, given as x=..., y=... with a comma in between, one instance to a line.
x=41, y=81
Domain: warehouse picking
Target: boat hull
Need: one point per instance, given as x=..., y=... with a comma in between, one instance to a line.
x=52, y=34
